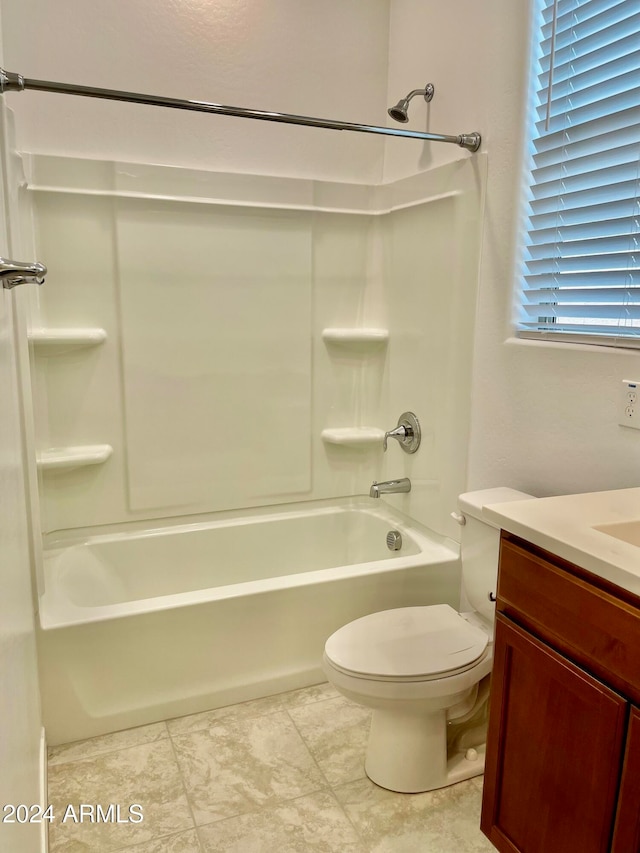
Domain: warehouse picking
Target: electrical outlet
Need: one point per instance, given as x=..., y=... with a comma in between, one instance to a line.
x=629, y=415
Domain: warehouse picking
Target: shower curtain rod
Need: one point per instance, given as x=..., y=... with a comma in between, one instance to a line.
x=12, y=82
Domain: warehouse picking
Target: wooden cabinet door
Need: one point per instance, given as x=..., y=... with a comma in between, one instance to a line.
x=626, y=838
x=554, y=751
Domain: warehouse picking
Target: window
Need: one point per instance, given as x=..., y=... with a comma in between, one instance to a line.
x=580, y=271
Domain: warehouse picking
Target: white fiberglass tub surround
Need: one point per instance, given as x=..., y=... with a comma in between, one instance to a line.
x=143, y=624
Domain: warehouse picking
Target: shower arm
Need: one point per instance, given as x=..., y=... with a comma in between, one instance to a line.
x=12, y=82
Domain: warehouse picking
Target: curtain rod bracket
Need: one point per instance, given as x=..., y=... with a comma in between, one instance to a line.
x=10, y=82
x=470, y=141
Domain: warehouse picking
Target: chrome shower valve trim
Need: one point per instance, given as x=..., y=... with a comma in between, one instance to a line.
x=407, y=433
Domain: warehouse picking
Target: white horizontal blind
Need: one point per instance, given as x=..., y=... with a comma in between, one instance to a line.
x=581, y=255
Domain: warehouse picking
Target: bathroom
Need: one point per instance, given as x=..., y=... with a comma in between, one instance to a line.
x=432, y=266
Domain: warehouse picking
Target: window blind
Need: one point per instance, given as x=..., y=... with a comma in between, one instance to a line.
x=580, y=270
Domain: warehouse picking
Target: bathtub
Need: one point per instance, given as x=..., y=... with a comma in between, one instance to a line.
x=139, y=624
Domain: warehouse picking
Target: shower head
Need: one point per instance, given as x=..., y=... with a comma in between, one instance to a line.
x=399, y=112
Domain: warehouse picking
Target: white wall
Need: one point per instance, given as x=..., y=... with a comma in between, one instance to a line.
x=19, y=696
x=19, y=699
x=449, y=45
x=544, y=416
x=324, y=59
x=289, y=56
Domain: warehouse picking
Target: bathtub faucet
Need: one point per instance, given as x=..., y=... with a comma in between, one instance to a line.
x=390, y=487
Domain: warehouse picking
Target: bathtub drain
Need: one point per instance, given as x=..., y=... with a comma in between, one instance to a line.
x=394, y=540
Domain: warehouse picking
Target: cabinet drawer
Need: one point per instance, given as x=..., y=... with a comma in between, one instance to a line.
x=589, y=625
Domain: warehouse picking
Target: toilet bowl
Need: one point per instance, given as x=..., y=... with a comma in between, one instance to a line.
x=424, y=671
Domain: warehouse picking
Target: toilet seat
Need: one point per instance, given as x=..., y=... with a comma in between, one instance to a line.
x=407, y=644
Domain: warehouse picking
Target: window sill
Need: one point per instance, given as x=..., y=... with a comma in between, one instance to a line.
x=575, y=344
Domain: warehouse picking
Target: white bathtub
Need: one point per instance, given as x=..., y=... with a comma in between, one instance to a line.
x=142, y=624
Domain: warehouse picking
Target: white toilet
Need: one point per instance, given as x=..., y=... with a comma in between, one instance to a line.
x=424, y=670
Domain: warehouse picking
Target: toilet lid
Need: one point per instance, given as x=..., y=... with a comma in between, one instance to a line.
x=406, y=642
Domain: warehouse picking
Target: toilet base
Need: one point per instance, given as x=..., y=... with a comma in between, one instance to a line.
x=407, y=753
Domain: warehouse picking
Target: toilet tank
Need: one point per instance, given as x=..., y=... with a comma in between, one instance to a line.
x=479, y=544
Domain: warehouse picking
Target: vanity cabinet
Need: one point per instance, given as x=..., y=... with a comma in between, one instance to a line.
x=563, y=750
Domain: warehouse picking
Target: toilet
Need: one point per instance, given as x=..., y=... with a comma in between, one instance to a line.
x=424, y=671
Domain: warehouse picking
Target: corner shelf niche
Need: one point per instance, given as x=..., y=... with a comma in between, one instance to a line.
x=360, y=342
x=66, y=458
x=356, y=437
x=56, y=341
x=356, y=338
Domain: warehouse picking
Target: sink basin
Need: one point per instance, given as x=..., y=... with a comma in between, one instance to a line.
x=627, y=531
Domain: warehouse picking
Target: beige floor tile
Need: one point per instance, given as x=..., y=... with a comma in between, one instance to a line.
x=183, y=842
x=444, y=821
x=251, y=773
x=336, y=732
x=254, y=708
x=147, y=774
x=238, y=765
x=312, y=824
x=107, y=743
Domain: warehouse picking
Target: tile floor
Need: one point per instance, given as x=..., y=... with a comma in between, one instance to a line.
x=276, y=775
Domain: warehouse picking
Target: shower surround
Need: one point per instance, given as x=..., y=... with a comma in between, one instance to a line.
x=214, y=344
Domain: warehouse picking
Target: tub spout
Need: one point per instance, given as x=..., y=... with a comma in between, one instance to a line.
x=390, y=487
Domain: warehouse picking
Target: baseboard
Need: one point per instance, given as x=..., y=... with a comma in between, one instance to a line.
x=44, y=826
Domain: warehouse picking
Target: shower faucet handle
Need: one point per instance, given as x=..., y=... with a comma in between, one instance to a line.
x=399, y=432
x=407, y=433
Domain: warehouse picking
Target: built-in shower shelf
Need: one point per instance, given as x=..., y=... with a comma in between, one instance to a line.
x=66, y=458
x=356, y=338
x=55, y=341
x=353, y=436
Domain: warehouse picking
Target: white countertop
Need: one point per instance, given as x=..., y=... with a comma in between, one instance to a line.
x=565, y=526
